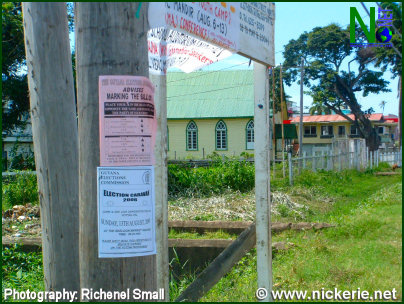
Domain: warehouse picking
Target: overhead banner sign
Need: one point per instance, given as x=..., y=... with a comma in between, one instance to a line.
x=243, y=27
x=127, y=121
x=168, y=48
x=126, y=215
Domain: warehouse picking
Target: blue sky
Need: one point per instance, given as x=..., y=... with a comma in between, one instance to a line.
x=291, y=20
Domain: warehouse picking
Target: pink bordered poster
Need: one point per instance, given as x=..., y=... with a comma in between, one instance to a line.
x=127, y=121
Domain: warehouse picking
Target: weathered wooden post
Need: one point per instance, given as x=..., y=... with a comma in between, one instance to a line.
x=161, y=188
x=54, y=128
x=273, y=122
x=262, y=178
x=109, y=41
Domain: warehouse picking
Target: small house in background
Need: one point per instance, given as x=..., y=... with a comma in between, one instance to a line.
x=212, y=112
x=17, y=142
x=321, y=130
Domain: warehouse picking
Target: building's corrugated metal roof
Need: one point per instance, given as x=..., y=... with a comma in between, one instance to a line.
x=333, y=118
x=225, y=94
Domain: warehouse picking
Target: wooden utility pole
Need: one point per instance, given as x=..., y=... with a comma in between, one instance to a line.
x=162, y=260
x=301, y=110
x=110, y=40
x=262, y=179
x=54, y=128
x=273, y=118
x=283, y=131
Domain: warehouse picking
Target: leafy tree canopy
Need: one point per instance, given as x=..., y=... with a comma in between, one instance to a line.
x=325, y=51
x=15, y=99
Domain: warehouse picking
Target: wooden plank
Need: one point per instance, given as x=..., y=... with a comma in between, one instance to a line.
x=387, y=173
x=220, y=266
x=55, y=137
x=199, y=243
x=262, y=177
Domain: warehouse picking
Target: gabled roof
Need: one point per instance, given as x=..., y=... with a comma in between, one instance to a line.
x=211, y=94
x=333, y=118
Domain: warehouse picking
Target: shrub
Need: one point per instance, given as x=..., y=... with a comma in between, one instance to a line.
x=216, y=179
x=20, y=190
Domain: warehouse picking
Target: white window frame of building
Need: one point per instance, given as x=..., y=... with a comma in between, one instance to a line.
x=250, y=135
x=221, y=135
x=310, y=133
x=356, y=130
x=192, y=136
x=327, y=130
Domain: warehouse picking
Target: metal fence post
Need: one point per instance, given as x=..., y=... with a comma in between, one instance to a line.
x=313, y=162
x=358, y=153
x=371, y=158
x=367, y=157
x=290, y=168
x=304, y=160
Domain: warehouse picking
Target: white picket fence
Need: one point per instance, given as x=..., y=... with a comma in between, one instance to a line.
x=358, y=160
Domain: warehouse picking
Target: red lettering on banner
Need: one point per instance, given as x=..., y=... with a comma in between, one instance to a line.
x=152, y=47
x=170, y=20
x=222, y=14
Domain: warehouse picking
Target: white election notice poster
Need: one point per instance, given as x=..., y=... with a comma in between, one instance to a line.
x=126, y=216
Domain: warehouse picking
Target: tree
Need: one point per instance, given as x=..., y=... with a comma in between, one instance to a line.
x=15, y=100
x=382, y=104
x=325, y=49
x=318, y=107
x=388, y=57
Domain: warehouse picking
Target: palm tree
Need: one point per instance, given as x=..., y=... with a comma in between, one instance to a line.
x=318, y=108
x=382, y=104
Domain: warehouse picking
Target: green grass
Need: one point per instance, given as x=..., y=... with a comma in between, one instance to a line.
x=364, y=250
x=21, y=270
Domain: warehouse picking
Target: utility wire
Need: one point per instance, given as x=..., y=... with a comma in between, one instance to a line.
x=196, y=76
x=194, y=93
x=210, y=72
